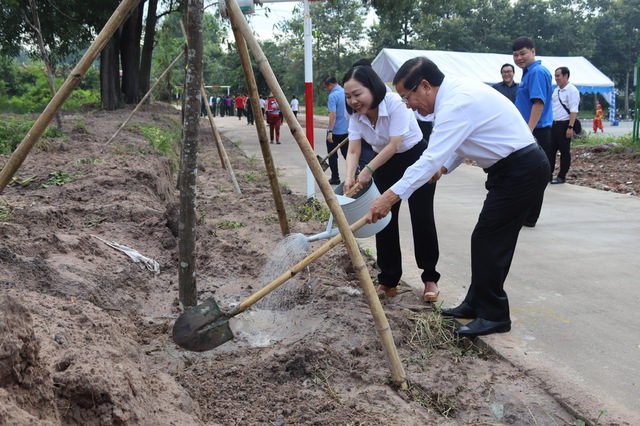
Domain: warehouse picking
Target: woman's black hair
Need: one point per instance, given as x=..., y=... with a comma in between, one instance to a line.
x=412, y=72
x=368, y=78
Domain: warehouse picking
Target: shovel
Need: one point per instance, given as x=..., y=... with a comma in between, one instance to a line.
x=205, y=326
x=323, y=161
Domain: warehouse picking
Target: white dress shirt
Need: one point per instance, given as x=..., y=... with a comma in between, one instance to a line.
x=570, y=97
x=472, y=120
x=394, y=119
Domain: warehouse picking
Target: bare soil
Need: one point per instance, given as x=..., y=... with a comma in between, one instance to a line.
x=85, y=332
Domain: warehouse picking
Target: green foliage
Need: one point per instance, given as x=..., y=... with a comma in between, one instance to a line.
x=229, y=224
x=58, y=178
x=6, y=212
x=13, y=129
x=25, y=89
x=164, y=142
x=313, y=209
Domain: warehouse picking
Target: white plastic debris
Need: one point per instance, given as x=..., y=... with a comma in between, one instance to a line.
x=144, y=261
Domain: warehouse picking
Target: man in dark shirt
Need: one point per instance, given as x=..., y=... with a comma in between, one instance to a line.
x=507, y=87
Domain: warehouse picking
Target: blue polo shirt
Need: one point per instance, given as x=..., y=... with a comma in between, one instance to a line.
x=535, y=84
x=336, y=103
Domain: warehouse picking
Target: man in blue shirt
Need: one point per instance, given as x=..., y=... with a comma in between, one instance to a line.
x=338, y=128
x=533, y=100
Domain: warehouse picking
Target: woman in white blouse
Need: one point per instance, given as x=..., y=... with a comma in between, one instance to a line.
x=383, y=120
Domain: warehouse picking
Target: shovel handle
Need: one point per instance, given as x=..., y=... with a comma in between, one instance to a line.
x=334, y=150
x=294, y=269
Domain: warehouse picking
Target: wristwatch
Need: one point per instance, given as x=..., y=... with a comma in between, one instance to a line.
x=570, y=127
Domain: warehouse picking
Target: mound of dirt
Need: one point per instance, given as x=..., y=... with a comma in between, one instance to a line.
x=85, y=332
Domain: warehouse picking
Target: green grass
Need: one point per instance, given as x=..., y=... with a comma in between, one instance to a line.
x=6, y=212
x=164, y=142
x=14, y=129
x=229, y=224
x=313, y=209
x=58, y=178
x=622, y=143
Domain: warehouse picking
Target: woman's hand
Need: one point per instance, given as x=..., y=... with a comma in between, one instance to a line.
x=348, y=187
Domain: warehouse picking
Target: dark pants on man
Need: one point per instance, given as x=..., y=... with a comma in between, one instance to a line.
x=333, y=160
x=560, y=142
x=543, y=136
x=425, y=237
x=512, y=190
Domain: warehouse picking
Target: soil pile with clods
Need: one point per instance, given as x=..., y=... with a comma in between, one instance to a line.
x=85, y=324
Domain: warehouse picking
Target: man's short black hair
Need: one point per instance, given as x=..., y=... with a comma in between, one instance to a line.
x=368, y=78
x=564, y=71
x=523, y=42
x=508, y=65
x=329, y=80
x=417, y=69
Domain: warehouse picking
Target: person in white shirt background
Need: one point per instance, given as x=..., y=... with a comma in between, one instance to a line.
x=564, y=102
x=294, y=105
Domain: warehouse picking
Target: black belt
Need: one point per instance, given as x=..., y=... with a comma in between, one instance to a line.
x=501, y=164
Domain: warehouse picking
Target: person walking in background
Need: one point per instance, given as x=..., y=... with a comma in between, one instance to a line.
x=338, y=128
x=507, y=86
x=240, y=102
x=227, y=106
x=248, y=108
x=273, y=118
x=597, y=120
x=212, y=104
x=533, y=100
x=263, y=103
x=382, y=118
x=475, y=122
x=565, y=101
x=295, y=105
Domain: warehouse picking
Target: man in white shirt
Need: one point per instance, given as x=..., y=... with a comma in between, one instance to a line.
x=474, y=121
x=565, y=102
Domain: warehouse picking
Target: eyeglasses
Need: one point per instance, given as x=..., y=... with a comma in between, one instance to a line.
x=404, y=98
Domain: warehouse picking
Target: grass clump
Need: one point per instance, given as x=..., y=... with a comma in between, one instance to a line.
x=14, y=129
x=163, y=142
x=313, y=209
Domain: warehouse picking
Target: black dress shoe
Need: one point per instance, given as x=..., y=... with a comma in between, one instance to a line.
x=558, y=180
x=334, y=181
x=529, y=224
x=464, y=310
x=482, y=327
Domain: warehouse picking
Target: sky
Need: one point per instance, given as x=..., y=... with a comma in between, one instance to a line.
x=263, y=25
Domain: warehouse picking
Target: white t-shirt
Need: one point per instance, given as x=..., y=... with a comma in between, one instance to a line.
x=294, y=104
x=472, y=120
x=394, y=119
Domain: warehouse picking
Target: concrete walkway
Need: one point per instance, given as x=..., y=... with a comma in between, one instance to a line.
x=573, y=285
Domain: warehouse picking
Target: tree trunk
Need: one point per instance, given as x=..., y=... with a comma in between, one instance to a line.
x=147, y=49
x=45, y=56
x=189, y=168
x=110, y=75
x=130, y=55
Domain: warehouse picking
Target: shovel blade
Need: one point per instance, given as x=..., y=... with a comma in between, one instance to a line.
x=323, y=163
x=202, y=328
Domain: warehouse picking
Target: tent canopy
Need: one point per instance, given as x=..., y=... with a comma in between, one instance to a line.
x=486, y=67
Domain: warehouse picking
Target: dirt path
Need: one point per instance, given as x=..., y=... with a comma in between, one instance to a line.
x=85, y=333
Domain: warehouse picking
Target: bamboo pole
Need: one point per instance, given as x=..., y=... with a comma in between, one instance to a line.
x=144, y=98
x=261, y=126
x=382, y=325
x=226, y=164
x=224, y=158
x=38, y=128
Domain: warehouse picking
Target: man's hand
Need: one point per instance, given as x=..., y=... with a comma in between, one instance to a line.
x=382, y=206
x=436, y=177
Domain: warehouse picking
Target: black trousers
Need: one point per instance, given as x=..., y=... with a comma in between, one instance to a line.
x=543, y=136
x=333, y=160
x=560, y=142
x=511, y=193
x=425, y=237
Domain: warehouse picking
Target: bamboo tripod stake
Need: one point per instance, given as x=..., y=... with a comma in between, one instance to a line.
x=224, y=158
x=261, y=127
x=38, y=128
x=144, y=98
x=382, y=325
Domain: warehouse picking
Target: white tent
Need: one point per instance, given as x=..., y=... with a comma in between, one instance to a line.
x=486, y=67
